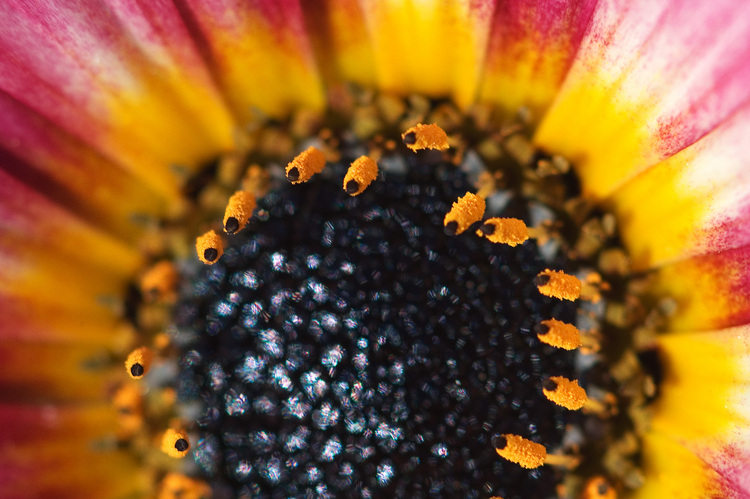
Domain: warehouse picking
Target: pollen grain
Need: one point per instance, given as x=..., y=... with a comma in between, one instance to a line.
x=422, y=136
x=520, y=450
x=558, y=334
x=360, y=174
x=138, y=362
x=209, y=247
x=159, y=283
x=239, y=210
x=305, y=165
x=564, y=392
x=557, y=284
x=175, y=443
x=468, y=210
x=510, y=231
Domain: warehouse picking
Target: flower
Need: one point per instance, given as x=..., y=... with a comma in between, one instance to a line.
x=99, y=101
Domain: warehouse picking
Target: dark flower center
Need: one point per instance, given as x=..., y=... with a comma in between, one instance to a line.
x=349, y=347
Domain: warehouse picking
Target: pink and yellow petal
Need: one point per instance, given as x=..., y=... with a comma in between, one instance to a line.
x=117, y=78
x=433, y=48
x=338, y=32
x=530, y=50
x=673, y=471
x=35, y=229
x=67, y=444
x=48, y=320
x=38, y=156
x=60, y=277
x=702, y=407
x=650, y=79
x=711, y=291
x=692, y=203
x=53, y=373
x=260, y=54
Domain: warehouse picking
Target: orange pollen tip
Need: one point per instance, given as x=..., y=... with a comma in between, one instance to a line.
x=598, y=488
x=305, y=165
x=422, y=136
x=522, y=451
x=128, y=400
x=558, y=285
x=159, y=282
x=256, y=180
x=239, y=210
x=466, y=211
x=175, y=443
x=564, y=392
x=209, y=247
x=559, y=334
x=138, y=362
x=510, y=231
x=179, y=486
x=361, y=173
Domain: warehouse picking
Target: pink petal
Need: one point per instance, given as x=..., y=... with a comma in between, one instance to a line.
x=650, y=79
x=693, y=203
x=259, y=52
x=530, y=51
x=123, y=78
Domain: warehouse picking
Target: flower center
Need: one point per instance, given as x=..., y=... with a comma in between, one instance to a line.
x=374, y=328
x=348, y=344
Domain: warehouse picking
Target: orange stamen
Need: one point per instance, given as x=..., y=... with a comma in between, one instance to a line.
x=425, y=137
x=138, y=362
x=466, y=211
x=175, y=443
x=564, y=392
x=558, y=285
x=209, y=247
x=128, y=402
x=598, y=488
x=510, y=231
x=559, y=334
x=256, y=180
x=361, y=173
x=160, y=282
x=239, y=210
x=178, y=486
x=520, y=451
x=305, y=165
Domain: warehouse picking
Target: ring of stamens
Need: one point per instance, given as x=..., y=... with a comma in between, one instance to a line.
x=160, y=282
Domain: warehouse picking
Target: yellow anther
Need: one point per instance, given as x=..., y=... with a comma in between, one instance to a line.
x=558, y=285
x=305, y=165
x=598, y=488
x=564, y=392
x=160, y=282
x=558, y=334
x=175, y=443
x=178, y=486
x=510, y=231
x=209, y=247
x=520, y=450
x=361, y=173
x=466, y=211
x=425, y=137
x=139, y=362
x=239, y=210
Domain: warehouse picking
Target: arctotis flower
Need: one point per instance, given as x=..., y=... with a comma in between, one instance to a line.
x=370, y=340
